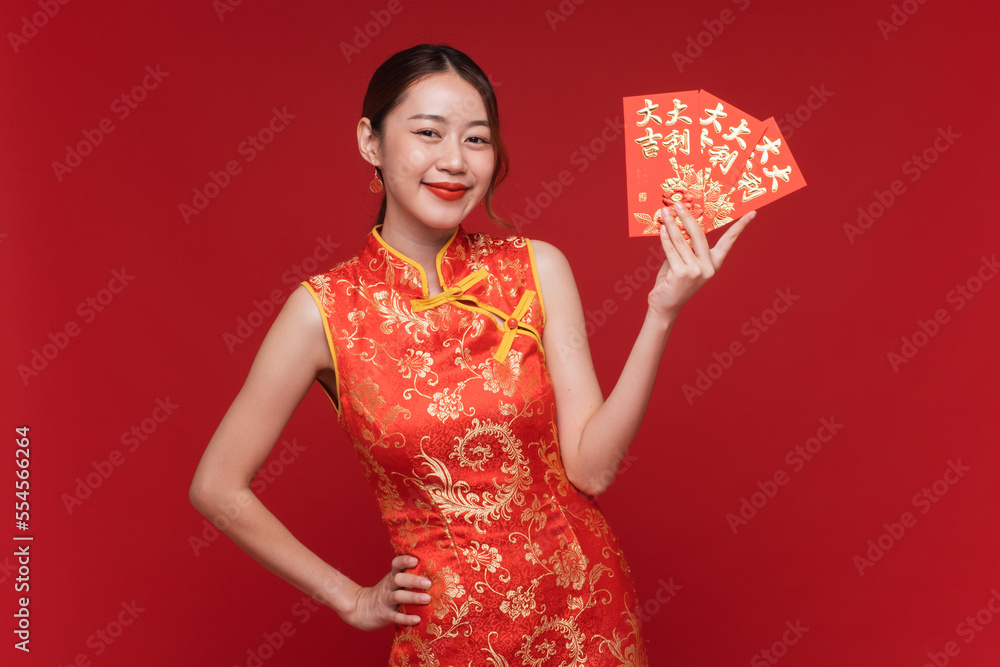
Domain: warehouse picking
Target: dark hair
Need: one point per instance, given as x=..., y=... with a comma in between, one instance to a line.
x=401, y=70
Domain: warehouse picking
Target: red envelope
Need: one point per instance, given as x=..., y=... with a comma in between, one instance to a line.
x=769, y=174
x=661, y=155
x=692, y=147
x=728, y=136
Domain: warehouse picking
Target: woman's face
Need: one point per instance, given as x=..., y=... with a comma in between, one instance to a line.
x=435, y=153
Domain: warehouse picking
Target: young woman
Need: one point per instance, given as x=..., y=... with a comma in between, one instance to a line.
x=458, y=364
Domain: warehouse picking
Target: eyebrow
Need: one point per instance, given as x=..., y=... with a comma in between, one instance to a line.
x=441, y=119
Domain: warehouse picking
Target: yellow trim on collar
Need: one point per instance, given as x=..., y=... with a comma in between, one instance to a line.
x=424, y=289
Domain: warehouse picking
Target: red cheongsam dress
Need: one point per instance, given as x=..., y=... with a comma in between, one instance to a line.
x=451, y=411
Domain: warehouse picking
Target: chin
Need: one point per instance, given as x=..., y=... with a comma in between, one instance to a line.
x=436, y=213
x=437, y=220
x=445, y=214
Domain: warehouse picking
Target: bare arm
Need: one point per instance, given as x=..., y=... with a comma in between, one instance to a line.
x=595, y=434
x=294, y=353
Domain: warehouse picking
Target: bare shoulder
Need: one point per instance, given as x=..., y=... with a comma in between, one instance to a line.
x=545, y=252
x=299, y=328
x=554, y=271
x=301, y=305
x=553, y=267
x=301, y=309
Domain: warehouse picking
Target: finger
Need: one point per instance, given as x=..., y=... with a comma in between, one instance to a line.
x=673, y=259
x=403, y=562
x=699, y=243
x=399, y=564
x=725, y=243
x=409, y=597
x=681, y=250
x=416, y=581
x=407, y=580
x=403, y=619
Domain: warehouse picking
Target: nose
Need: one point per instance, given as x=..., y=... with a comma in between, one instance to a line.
x=451, y=158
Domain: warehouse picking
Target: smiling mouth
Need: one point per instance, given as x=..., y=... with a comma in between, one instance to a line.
x=447, y=191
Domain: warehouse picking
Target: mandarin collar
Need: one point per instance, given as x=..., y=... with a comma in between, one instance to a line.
x=408, y=276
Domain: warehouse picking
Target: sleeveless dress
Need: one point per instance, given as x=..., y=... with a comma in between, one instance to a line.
x=450, y=408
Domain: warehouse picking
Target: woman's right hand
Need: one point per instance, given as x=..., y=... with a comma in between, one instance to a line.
x=375, y=606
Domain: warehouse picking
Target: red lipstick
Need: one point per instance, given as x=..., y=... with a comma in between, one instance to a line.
x=447, y=191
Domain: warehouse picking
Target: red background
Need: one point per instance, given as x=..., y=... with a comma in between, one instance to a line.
x=162, y=336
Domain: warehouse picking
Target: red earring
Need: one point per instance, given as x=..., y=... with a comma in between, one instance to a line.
x=376, y=184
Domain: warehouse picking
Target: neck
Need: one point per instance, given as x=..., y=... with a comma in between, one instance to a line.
x=418, y=242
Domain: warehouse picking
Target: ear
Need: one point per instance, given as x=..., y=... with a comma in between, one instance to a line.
x=368, y=143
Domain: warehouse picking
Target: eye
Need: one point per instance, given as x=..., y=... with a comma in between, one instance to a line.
x=426, y=133
x=483, y=141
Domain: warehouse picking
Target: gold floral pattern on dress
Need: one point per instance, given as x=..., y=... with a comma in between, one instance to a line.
x=452, y=614
x=456, y=497
x=462, y=454
x=482, y=556
x=446, y=405
x=627, y=652
x=595, y=521
x=496, y=660
x=366, y=399
x=570, y=566
x=449, y=589
x=414, y=362
x=548, y=636
x=502, y=375
x=534, y=514
x=473, y=449
x=519, y=602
